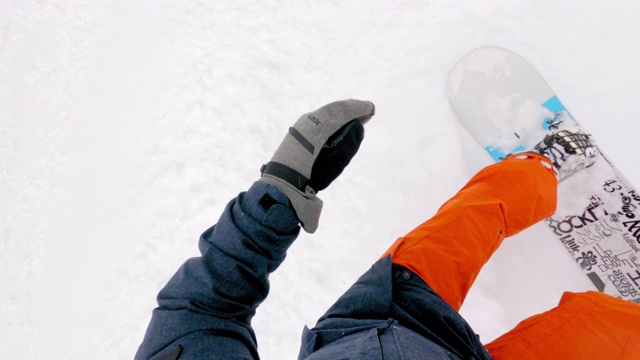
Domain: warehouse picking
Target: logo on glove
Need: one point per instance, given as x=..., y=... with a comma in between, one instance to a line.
x=314, y=119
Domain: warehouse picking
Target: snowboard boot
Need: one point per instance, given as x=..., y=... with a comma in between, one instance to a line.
x=569, y=147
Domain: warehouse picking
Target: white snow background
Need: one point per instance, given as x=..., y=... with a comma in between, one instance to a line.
x=126, y=127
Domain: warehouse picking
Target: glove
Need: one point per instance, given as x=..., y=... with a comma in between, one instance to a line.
x=314, y=152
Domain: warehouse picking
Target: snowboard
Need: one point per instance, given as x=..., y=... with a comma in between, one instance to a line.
x=507, y=107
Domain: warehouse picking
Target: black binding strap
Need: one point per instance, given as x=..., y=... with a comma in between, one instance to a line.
x=285, y=173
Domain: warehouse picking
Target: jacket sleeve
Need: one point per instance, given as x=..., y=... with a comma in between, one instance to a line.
x=205, y=310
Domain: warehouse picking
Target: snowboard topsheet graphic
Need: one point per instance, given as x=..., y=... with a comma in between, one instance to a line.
x=507, y=107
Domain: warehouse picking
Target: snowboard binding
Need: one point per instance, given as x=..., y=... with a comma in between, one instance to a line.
x=569, y=148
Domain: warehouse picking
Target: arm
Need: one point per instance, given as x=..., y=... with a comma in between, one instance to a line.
x=206, y=308
x=208, y=304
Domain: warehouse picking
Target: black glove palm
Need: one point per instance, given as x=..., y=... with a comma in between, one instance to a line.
x=336, y=154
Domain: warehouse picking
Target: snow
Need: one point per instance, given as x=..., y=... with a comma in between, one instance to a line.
x=125, y=127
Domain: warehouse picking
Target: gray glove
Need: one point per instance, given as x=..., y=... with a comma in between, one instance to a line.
x=314, y=153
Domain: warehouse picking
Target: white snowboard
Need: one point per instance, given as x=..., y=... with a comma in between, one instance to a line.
x=506, y=106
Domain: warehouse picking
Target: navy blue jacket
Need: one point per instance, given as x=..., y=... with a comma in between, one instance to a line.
x=205, y=310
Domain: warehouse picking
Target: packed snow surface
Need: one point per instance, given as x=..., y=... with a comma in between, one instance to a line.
x=125, y=128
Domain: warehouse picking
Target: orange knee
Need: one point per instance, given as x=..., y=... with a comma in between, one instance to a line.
x=448, y=250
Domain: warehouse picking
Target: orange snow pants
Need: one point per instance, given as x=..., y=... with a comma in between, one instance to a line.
x=449, y=250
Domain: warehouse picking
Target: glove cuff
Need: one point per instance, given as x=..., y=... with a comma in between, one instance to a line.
x=307, y=205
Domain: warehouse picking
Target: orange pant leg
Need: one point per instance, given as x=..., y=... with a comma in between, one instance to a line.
x=449, y=250
x=588, y=325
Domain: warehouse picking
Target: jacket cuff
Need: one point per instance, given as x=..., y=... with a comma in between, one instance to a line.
x=271, y=207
